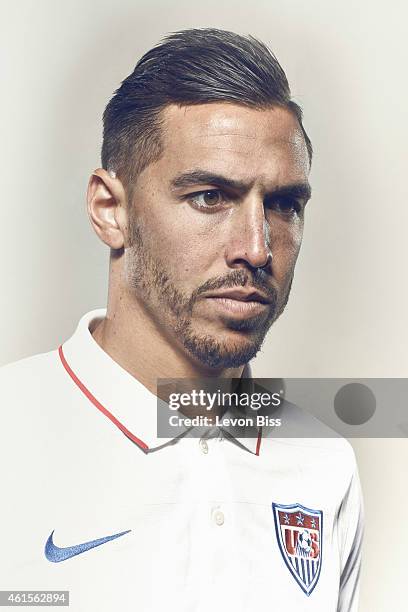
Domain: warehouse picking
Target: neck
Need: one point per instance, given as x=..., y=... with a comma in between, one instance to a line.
x=131, y=337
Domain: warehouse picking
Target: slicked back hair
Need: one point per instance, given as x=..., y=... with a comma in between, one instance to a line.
x=194, y=66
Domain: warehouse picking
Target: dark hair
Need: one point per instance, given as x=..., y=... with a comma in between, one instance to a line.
x=193, y=66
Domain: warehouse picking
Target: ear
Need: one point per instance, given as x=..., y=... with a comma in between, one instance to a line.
x=106, y=200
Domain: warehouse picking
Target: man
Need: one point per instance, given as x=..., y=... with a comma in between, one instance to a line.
x=201, y=200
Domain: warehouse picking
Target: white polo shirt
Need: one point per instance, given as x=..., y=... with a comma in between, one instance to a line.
x=199, y=524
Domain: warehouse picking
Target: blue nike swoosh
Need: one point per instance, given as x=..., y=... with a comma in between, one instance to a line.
x=56, y=554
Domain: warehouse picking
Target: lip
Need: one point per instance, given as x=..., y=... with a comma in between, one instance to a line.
x=232, y=307
x=241, y=295
x=239, y=302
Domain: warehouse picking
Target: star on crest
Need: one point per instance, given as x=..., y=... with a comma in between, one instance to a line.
x=300, y=519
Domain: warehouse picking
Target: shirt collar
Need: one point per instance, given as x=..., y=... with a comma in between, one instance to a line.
x=118, y=395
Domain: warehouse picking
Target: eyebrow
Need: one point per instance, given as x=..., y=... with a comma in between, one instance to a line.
x=301, y=190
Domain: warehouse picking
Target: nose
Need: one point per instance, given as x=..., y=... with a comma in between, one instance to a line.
x=249, y=236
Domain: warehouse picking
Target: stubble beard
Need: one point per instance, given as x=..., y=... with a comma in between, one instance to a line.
x=146, y=275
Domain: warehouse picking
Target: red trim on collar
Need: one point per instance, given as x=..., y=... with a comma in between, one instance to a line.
x=258, y=442
x=98, y=405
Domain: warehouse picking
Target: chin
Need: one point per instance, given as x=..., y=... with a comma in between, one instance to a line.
x=221, y=351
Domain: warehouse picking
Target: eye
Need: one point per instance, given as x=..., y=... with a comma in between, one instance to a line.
x=207, y=199
x=285, y=206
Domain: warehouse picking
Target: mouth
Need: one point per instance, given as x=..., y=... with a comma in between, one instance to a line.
x=239, y=302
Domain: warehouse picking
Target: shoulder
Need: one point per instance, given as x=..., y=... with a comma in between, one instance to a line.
x=32, y=370
x=30, y=384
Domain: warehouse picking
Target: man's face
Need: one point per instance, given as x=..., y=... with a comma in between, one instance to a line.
x=215, y=228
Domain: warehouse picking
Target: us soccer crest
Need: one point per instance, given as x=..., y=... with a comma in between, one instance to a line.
x=299, y=533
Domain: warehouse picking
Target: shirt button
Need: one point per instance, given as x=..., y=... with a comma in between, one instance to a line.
x=204, y=447
x=219, y=518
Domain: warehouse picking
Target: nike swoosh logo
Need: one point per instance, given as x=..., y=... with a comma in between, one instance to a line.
x=57, y=554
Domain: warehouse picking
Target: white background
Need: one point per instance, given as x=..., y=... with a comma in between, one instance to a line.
x=346, y=62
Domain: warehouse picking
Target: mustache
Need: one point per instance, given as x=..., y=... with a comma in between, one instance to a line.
x=257, y=279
